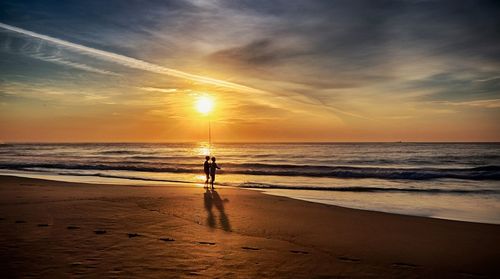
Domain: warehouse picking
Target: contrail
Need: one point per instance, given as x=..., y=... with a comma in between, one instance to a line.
x=150, y=67
x=61, y=61
x=129, y=61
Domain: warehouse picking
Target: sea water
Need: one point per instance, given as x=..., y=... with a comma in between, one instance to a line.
x=459, y=181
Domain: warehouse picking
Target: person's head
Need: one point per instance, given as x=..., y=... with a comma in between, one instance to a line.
x=213, y=159
x=207, y=158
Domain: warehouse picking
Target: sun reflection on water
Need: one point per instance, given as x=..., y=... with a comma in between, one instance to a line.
x=203, y=149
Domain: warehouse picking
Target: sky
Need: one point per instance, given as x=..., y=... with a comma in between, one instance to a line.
x=132, y=71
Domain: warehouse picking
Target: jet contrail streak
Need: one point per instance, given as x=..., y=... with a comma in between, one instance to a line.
x=129, y=61
x=149, y=67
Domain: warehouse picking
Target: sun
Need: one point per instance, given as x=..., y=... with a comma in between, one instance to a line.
x=204, y=104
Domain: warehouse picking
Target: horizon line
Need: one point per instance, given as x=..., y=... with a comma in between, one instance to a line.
x=230, y=142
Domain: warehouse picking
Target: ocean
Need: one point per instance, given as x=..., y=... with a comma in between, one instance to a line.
x=457, y=181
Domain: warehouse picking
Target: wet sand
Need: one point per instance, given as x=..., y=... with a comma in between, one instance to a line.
x=52, y=229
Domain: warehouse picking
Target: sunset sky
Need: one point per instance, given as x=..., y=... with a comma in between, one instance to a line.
x=120, y=71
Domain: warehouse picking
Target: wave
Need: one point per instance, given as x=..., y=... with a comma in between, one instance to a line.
x=476, y=173
x=156, y=157
x=254, y=185
x=118, y=152
x=369, y=189
x=125, y=177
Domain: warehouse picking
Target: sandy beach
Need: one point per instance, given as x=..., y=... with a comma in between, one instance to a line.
x=52, y=229
x=345, y=139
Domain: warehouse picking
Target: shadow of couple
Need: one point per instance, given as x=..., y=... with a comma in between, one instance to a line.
x=212, y=199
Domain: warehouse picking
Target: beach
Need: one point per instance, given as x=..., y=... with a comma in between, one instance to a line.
x=51, y=229
x=456, y=181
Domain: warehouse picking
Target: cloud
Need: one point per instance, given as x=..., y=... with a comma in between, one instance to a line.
x=457, y=86
x=162, y=90
x=357, y=59
x=128, y=61
x=340, y=44
x=493, y=103
x=43, y=52
x=290, y=100
x=257, y=52
x=488, y=79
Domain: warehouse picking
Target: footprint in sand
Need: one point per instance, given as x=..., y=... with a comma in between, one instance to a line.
x=404, y=265
x=347, y=259
x=20, y=221
x=206, y=242
x=250, y=248
x=72, y=227
x=299, y=252
x=167, y=239
x=471, y=274
x=130, y=235
x=42, y=225
x=100, y=231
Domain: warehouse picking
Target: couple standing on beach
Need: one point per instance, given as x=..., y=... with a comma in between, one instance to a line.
x=210, y=169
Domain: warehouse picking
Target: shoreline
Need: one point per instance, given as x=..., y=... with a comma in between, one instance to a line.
x=182, y=184
x=293, y=193
x=230, y=233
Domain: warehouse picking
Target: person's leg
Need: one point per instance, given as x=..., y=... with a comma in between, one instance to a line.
x=213, y=180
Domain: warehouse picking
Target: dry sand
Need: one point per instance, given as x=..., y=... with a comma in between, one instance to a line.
x=54, y=229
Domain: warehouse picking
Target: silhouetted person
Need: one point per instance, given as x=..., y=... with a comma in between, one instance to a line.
x=213, y=168
x=206, y=168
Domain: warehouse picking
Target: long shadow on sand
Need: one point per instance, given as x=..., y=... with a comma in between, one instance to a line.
x=207, y=197
x=213, y=199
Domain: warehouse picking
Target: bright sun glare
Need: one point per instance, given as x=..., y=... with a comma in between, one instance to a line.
x=204, y=104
